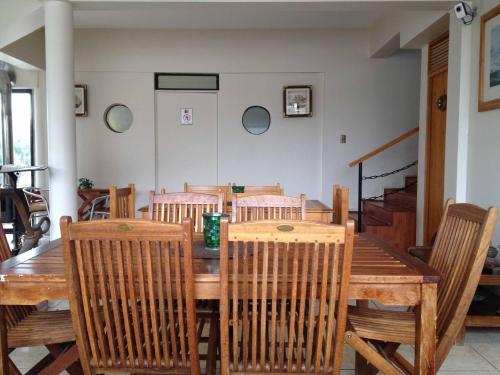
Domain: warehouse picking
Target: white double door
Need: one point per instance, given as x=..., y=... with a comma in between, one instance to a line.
x=185, y=153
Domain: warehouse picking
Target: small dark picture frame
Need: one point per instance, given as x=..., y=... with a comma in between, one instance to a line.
x=81, y=106
x=297, y=101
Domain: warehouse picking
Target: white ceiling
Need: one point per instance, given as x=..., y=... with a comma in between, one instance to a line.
x=11, y=9
x=241, y=15
x=225, y=14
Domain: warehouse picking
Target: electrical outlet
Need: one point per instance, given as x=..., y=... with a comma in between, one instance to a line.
x=343, y=138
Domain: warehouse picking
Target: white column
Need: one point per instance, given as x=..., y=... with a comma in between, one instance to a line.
x=458, y=111
x=60, y=111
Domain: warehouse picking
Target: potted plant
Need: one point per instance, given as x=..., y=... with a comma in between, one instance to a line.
x=85, y=183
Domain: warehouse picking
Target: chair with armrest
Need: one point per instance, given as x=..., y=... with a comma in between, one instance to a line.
x=122, y=202
x=26, y=326
x=268, y=207
x=283, y=296
x=340, y=204
x=37, y=203
x=131, y=291
x=458, y=255
x=100, y=208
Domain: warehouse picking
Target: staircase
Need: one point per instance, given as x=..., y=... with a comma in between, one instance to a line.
x=393, y=219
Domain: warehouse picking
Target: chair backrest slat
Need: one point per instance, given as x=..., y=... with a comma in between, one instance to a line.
x=225, y=190
x=131, y=296
x=458, y=254
x=173, y=207
x=284, y=285
x=340, y=204
x=122, y=202
x=268, y=207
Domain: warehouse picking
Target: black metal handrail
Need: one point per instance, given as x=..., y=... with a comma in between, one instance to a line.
x=362, y=178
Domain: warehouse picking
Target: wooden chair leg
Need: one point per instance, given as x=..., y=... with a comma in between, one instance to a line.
x=13, y=370
x=370, y=354
x=43, y=363
x=361, y=364
x=62, y=362
x=403, y=363
x=460, y=340
x=4, y=347
x=212, y=347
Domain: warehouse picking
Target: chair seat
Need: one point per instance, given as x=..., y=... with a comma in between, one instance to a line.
x=383, y=325
x=37, y=207
x=42, y=328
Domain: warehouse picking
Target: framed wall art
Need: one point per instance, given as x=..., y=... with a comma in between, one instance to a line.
x=489, y=61
x=297, y=101
x=81, y=106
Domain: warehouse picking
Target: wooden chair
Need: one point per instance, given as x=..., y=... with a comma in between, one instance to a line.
x=131, y=295
x=260, y=190
x=173, y=207
x=340, y=204
x=458, y=254
x=122, y=202
x=211, y=189
x=26, y=326
x=267, y=207
x=295, y=320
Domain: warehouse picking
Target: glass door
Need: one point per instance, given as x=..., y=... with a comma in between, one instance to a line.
x=22, y=132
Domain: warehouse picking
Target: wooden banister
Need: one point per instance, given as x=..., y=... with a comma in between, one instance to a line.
x=369, y=155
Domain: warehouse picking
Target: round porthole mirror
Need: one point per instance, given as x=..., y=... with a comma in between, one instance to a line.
x=256, y=120
x=118, y=118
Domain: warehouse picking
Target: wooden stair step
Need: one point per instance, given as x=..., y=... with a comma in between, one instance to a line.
x=387, y=206
x=411, y=184
x=366, y=219
x=403, y=198
x=383, y=210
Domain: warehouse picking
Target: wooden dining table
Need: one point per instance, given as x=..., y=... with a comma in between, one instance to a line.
x=379, y=273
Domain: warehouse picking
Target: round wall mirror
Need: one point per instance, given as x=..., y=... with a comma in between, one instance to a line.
x=118, y=117
x=256, y=120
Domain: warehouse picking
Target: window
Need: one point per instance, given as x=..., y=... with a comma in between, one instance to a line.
x=22, y=132
x=186, y=81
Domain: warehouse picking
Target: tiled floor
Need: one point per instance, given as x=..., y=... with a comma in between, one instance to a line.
x=480, y=355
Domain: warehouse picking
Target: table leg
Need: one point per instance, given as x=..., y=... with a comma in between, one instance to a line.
x=4, y=349
x=425, y=341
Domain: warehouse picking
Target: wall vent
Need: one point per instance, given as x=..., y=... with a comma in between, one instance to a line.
x=438, y=55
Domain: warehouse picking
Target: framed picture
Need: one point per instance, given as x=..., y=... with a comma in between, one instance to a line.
x=81, y=106
x=297, y=101
x=489, y=61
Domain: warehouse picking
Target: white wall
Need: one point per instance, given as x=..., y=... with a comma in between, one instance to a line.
x=290, y=152
x=484, y=133
x=110, y=158
x=371, y=101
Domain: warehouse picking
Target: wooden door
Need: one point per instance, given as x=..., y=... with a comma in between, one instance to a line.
x=436, y=135
x=186, y=153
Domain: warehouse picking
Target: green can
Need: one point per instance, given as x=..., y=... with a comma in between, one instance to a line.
x=238, y=189
x=211, y=229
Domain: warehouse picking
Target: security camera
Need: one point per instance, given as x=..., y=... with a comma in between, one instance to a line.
x=464, y=12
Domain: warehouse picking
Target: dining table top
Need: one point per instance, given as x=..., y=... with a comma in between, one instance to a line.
x=374, y=263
